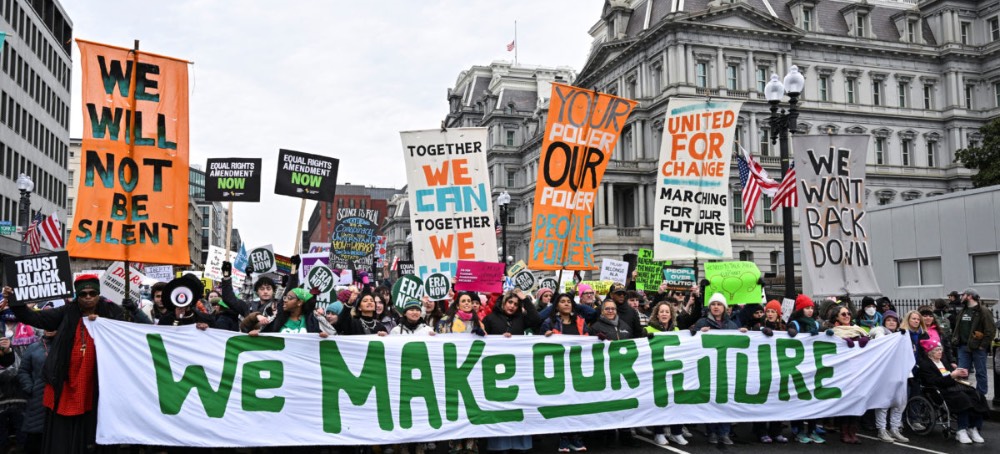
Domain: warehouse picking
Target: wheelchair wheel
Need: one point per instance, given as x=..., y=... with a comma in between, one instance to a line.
x=920, y=415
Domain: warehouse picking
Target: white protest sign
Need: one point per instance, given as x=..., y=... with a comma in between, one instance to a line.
x=113, y=283
x=614, y=271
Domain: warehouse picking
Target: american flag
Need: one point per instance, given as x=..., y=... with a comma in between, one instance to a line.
x=786, y=196
x=511, y=46
x=754, y=179
x=499, y=229
x=33, y=236
x=52, y=232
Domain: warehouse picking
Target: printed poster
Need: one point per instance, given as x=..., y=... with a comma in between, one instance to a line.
x=233, y=180
x=306, y=176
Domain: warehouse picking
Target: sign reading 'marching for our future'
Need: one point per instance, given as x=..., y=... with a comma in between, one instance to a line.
x=420, y=388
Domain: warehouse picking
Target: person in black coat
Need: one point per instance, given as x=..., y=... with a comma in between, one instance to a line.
x=231, y=308
x=514, y=314
x=963, y=400
x=179, y=297
x=33, y=385
x=627, y=315
x=360, y=320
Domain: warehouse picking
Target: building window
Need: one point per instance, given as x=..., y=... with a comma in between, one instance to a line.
x=968, y=96
x=746, y=256
x=824, y=88
x=510, y=138
x=928, y=97
x=765, y=143
x=905, y=152
x=994, y=29
x=737, y=208
x=911, y=31
x=922, y=272
x=931, y=161
x=966, y=32
x=807, y=19
x=656, y=79
x=762, y=78
x=880, y=150
x=904, y=90
x=996, y=95
x=849, y=89
x=774, y=261
x=859, y=25
x=985, y=268
x=731, y=73
x=877, y=93
x=768, y=214
x=701, y=75
x=630, y=88
x=511, y=174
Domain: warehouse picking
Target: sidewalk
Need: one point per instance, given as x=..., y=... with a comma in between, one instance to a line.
x=994, y=405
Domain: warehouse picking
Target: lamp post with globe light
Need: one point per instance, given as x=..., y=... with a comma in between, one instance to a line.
x=25, y=185
x=503, y=200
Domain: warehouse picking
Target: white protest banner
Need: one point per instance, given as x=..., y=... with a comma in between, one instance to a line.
x=614, y=270
x=113, y=283
x=692, y=185
x=451, y=207
x=403, y=389
x=833, y=232
x=160, y=273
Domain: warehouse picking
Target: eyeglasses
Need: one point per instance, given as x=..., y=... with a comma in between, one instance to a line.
x=87, y=294
x=587, y=293
x=609, y=309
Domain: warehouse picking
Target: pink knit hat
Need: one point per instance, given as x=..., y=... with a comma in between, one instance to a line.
x=584, y=288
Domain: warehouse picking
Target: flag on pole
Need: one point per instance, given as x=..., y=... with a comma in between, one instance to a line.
x=32, y=235
x=395, y=263
x=787, y=195
x=755, y=181
x=512, y=45
x=52, y=232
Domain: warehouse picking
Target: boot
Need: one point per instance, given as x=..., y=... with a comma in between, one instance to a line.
x=845, y=434
x=854, y=434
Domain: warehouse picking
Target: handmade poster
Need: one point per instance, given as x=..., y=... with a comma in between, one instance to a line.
x=614, y=271
x=113, y=283
x=601, y=288
x=787, y=308
x=649, y=272
x=451, y=204
x=581, y=132
x=524, y=280
x=437, y=286
x=692, y=199
x=739, y=282
x=133, y=194
x=311, y=260
x=160, y=273
x=233, y=180
x=484, y=277
x=833, y=231
x=354, y=239
x=406, y=389
x=39, y=277
x=679, y=278
x=262, y=260
x=306, y=176
x=407, y=288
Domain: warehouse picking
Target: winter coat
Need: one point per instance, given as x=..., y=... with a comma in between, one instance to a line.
x=628, y=315
x=235, y=304
x=556, y=325
x=982, y=321
x=712, y=323
x=30, y=377
x=421, y=329
x=524, y=318
x=348, y=324
x=170, y=319
x=959, y=397
x=587, y=312
x=614, y=332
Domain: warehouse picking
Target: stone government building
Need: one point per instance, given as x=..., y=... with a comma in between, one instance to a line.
x=920, y=78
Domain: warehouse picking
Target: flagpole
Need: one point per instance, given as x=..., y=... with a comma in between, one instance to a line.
x=515, y=50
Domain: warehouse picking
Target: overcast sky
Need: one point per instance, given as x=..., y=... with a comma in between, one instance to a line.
x=337, y=78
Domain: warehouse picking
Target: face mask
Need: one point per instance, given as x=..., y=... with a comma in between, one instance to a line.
x=870, y=311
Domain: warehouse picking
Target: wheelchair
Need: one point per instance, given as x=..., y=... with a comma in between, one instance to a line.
x=927, y=410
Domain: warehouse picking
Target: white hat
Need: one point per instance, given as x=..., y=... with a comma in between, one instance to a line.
x=717, y=298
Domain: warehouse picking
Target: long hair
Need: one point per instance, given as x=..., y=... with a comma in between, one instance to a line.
x=554, y=317
x=453, y=308
x=905, y=324
x=435, y=315
x=654, y=317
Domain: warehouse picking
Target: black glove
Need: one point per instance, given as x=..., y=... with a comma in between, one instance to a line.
x=792, y=331
x=129, y=304
x=296, y=260
x=650, y=335
x=12, y=300
x=705, y=283
x=902, y=331
x=829, y=332
x=814, y=332
x=767, y=331
x=227, y=270
x=249, y=269
x=478, y=331
x=284, y=280
x=602, y=336
x=693, y=330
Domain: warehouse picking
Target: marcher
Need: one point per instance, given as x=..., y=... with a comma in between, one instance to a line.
x=12, y=397
x=33, y=384
x=843, y=326
x=802, y=321
x=462, y=317
x=767, y=320
x=892, y=432
x=609, y=326
x=869, y=317
x=360, y=320
x=718, y=320
x=935, y=333
x=180, y=305
x=963, y=400
x=662, y=321
x=543, y=297
x=297, y=314
x=514, y=315
x=974, y=332
x=565, y=320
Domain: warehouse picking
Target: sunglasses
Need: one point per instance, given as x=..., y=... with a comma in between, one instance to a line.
x=87, y=294
x=843, y=314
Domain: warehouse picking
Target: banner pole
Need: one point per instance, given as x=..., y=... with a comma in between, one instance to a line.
x=229, y=228
x=131, y=152
x=298, y=230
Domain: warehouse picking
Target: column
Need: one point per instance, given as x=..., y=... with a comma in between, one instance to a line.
x=599, y=205
x=959, y=90
x=751, y=70
x=689, y=54
x=668, y=71
x=641, y=206
x=640, y=143
x=611, y=204
x=754, y=133
x=720, y=68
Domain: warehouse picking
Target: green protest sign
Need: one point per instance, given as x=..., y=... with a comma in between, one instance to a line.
x=407, y=288
x=737, y=281
x=436, y=286
x=649, y=273
x=321, y=277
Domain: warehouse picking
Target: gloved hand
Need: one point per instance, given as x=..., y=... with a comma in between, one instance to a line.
x=902, y=331
x=314, y=291
x=227, y=270
x=129, y=304
x=249, y=269
x=863, y=340
x=767, y=331
x=814, y=332
x=602, y=336
x=296, y=260
x=705, y=283
x=650, y=335
x=792, y=331
x=850, y=342
x=693, y=330
x=478, y=331
x=829, y=332
x=284, y=281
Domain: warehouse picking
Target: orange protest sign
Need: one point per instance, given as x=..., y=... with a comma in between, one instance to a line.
x=580, y=136
x=132, y=202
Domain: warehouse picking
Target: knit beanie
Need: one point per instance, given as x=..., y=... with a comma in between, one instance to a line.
x=87, y=281
x=717, y=298
x=584, y=288
x=890, y=313
x=802, y=302
x=542, y=292
x=867, y=301
x=773, y=305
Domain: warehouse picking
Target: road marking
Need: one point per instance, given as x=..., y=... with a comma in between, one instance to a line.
x=918, y=448
x=667, y=447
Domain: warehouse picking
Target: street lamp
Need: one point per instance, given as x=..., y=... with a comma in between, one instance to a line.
x=503, y=200
x=25, y=185
x=409, y=246
x=781, y=125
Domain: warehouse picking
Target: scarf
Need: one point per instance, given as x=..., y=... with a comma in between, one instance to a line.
x=611, y=322
x=464, y=316
x=412, y=326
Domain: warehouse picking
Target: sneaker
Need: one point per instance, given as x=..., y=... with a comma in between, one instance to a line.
x=884, y=436
x=714, y=439
x=766, y=439
x=817, y=439
x=678, y=439
x=820, y=430
x=962, y=437
x=974, y=435
x=803, y=438
x=576, y=445
x=685, y=432
x=661, y=439
x=725, y=440
x=432, y=446
x=897, y=433
x=781, y=439
x=563, y=445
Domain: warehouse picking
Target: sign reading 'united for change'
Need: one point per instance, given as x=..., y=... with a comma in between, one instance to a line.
x=232, y=180
x=306, y=176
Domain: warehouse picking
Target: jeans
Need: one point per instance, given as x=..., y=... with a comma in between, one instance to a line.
x=974, y=361
x=969, y=418
x=720, y=429
x=895, y=418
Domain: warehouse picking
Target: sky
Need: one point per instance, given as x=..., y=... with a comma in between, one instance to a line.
x=336, y=78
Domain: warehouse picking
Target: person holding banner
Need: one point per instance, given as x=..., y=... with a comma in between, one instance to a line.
x=894, y=431
x=412, y=324
x=803, y=320
x=609, y=326
x=462, y=317
x=33, y=384
x=514, y=315
x=663, y=321
x=70, y=369
x=716, y=319
x=431, y=311
x=360, y=320
x=384, y=313
x=564, y=318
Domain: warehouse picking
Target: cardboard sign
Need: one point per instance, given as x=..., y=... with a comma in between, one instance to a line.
x=437, y=286
x=451, y=204
x=160, y=273
x=549, y=283
x=39, y=277
x=679, y=278
x=407, y=288
x=306, y=176
x=233, y=180
x=581, y=132
x=737, y=281
x=354, y=240
x=524, y=280
x=320, y=277
x=649, y=272
x=600, y=287
x=406, y=267
x=516, y=268
x=262, y=260
x=484, y=277
x=132, y=199
x=787, y=308
x=614, y=271
x=113, y=283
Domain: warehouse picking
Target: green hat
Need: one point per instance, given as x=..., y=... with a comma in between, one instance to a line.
x=301, y=294
x=87, y=281
x=411, y=304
